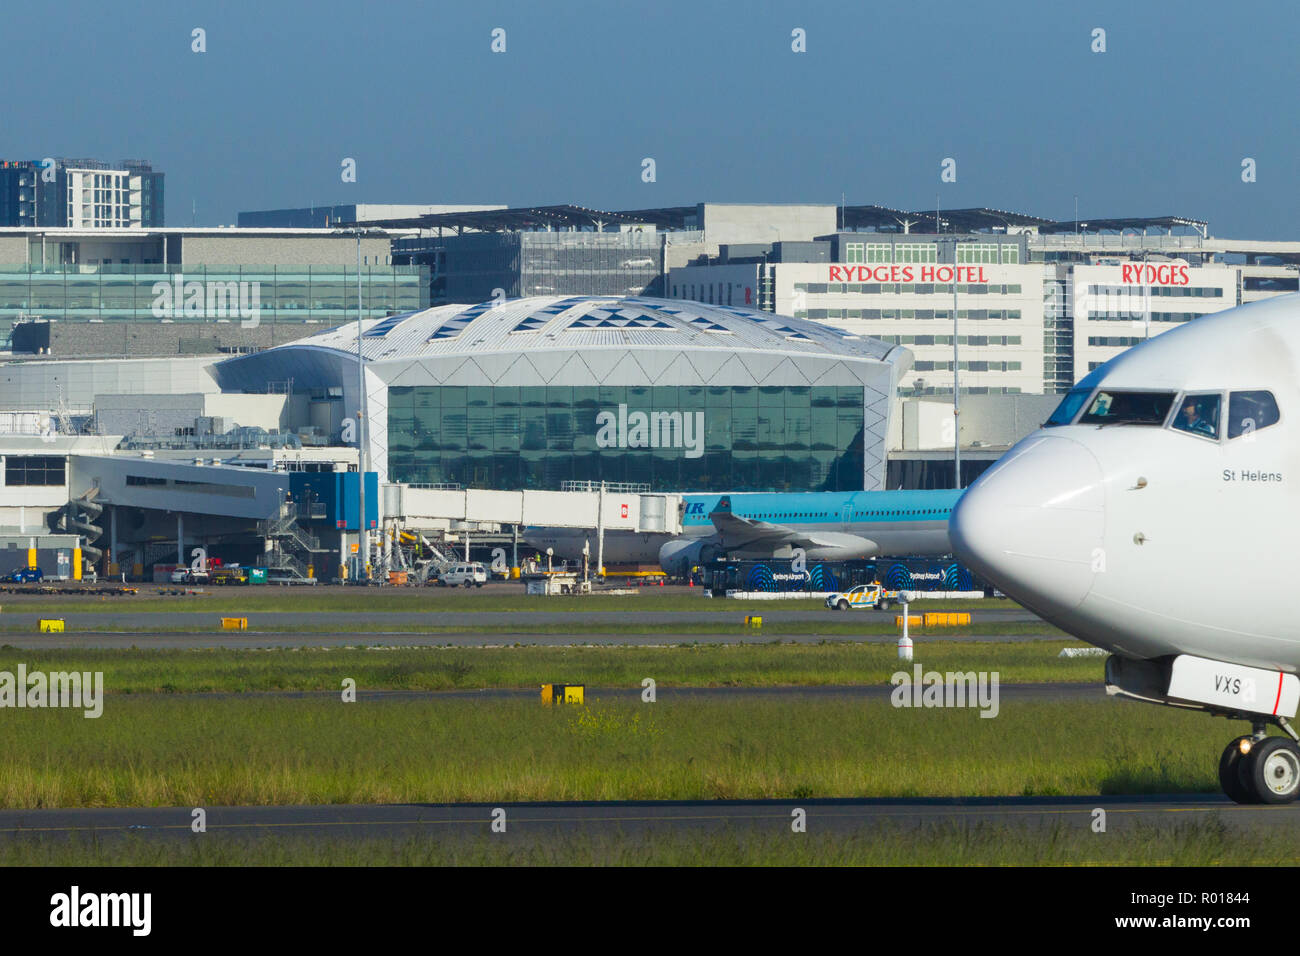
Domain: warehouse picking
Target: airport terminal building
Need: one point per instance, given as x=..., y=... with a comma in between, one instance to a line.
x=187, y=291
x=536, y=392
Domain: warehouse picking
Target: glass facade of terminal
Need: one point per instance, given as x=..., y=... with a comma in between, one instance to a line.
x=326, y=294
x=674, y=438
x=470, y=268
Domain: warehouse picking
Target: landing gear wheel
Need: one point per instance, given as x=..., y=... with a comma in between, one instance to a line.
x=1272, y=770
x=1230, y=773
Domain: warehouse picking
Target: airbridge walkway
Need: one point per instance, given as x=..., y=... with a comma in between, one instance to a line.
x=442, y=510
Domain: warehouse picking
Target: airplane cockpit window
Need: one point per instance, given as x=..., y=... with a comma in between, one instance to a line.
x=1069, y=407
x=1128, y=408
x=1250, y=411
x=1199, y=414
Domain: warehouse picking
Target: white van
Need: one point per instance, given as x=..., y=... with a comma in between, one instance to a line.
x=468, y=575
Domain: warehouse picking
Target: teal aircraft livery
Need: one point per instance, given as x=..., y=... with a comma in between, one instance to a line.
x=827, y=526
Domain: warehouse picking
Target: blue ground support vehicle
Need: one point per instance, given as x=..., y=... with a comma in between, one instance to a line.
x=25, y=576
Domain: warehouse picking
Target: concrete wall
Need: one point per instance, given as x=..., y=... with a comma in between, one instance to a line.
x=766, y=222
x=134, y=339
x=320, y=217
x=40, y=384
x=722, y=285
x=13, y=249
x=262, y=411
x=990, y=420
x=283, y=250
x=143, y=414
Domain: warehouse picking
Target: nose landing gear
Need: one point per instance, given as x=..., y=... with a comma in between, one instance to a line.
x=1257, y=768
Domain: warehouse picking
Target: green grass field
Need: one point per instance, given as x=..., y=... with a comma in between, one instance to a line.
x=204, y=751
x=459, y=668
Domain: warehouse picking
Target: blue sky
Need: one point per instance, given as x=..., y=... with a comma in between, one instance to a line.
x=1158, y=124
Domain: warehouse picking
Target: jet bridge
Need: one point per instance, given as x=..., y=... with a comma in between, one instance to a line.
x=449, y=510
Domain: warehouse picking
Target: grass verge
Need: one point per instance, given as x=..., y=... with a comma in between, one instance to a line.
x=187, y=751
x=446, y=668
x=1204, y=842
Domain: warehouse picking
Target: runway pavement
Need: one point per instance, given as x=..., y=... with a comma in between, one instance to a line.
x=126, y=629
x=246, y=639
x=309, y=620
x=1025, y=814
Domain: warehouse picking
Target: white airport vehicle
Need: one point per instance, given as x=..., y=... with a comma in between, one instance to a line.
x=1176, y=457
x=868, y=596
x=464, y=575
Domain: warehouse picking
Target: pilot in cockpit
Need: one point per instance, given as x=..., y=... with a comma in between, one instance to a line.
x=1192, y=418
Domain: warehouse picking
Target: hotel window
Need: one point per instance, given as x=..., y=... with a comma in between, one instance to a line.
x=916, y=252
x=853, y=252
x=880, y=252
x=986, y=253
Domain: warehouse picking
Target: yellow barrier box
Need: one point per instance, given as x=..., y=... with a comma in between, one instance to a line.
x=234, y=623
x=753, y=620
x=946, y=618
x=51, y=626
x=913, y=620
x=563, y=693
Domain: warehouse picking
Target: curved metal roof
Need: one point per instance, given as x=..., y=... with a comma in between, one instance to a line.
x=586, y=322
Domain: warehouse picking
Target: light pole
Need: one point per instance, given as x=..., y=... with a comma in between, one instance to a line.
x=363, y=533
x=956, y=365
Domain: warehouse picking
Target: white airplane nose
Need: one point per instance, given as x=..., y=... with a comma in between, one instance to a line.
x=1033, y=523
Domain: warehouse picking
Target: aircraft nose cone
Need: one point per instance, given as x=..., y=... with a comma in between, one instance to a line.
x=1033, y=523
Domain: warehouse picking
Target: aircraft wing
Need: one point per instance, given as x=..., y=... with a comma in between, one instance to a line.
x=739, y=532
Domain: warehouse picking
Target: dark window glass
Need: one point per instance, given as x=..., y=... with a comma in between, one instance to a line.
x=1128, y=408
x=1250, y=411
x=1199, y=415
x=674, y=438
x=34, y=470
